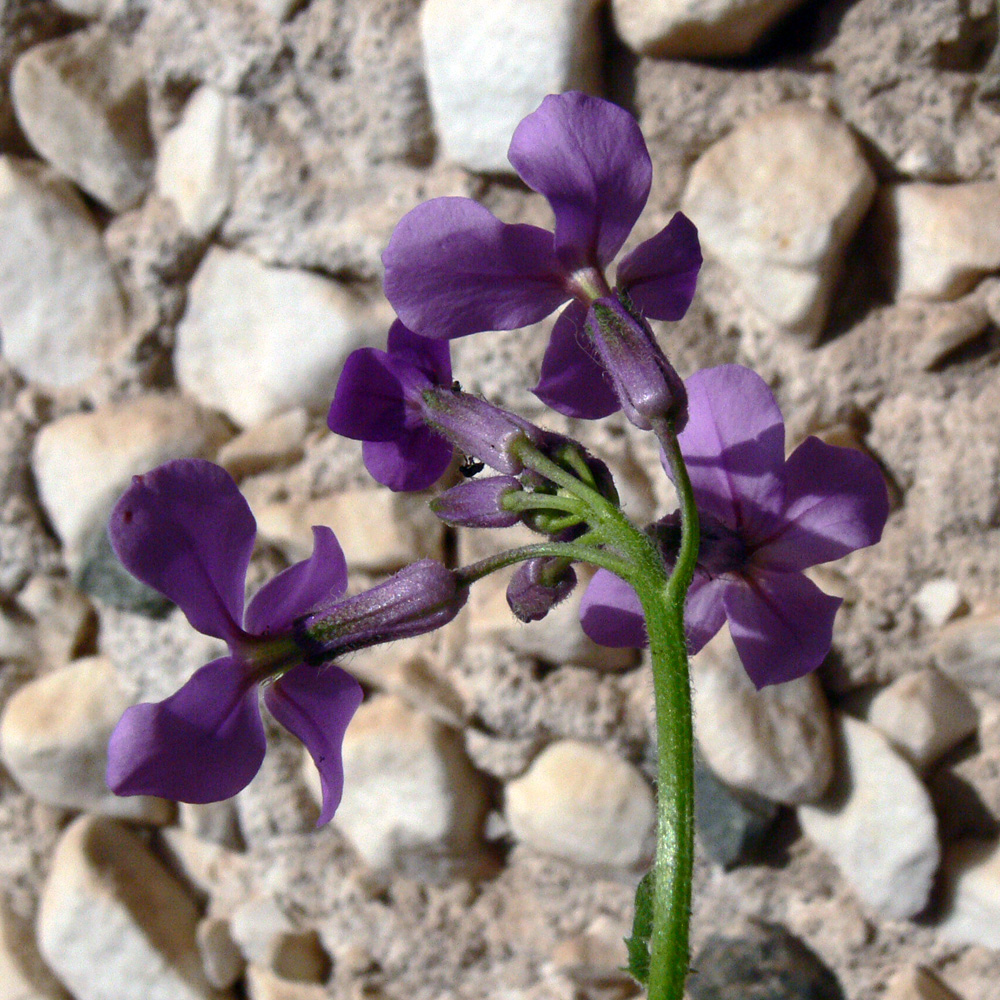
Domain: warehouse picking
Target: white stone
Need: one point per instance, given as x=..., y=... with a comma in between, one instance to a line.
x=583, y=803
x=489, y=63
x=941, y=238
x=81, y=101
x=968, y=651
x=953, y=325
x=220, y=958
x=193, y=168
x=277, y=441
x=877, y=824
x=916, y=983
x=265, y=985
x=777, y=200
x=84, y=461
x=54, y=736
x=923, y=714
x=270, y=939
x=938, y=601
x=971, y=894
x=410, y=793
x=114, y=924
x=695, y=29
x=776, y=742
x=258, y=340
x=60, y=309
x=65, y=620
x=23, y=975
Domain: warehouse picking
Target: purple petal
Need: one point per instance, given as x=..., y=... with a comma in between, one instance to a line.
x=704, y=611
x=781, y=623
x=186, y=530
x=835, y=502
x=610, y=612
x=300, y=588
x=414, y=461
x=734, y=449
x=202, y=744
x=660, y=275
x=431, y=356
x=588, y=158
x=369, y=403
x=452, y=268
x=316, y=704
x=572, y=381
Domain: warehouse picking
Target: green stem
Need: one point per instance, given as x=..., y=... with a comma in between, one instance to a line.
x=573, y=551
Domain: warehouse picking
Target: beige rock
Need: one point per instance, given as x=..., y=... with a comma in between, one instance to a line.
x=582, y=803
x=938, y=601
x=17, y=638
x=278, y=441
x=194, y=168
x=917, y=983
x=490, y=63
x=940, y=238
x=60, y=307
x=695, y=29
x=54, y=736
x=265, y=985
x=84, y=461
x=923, y=715
x=65, y=620
x=212, y=869
x=114, y=924
x=777, y=200
x=775, y=742
x=891, y=863
x=954, y=325
x=270, y=940
x=597, y=955
x=23, y=974
x=971, y=894
x=220, y=957
x=81, y=101
x=968, y=651
x=215, y=822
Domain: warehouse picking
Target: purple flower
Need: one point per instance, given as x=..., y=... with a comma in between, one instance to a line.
x=763, y=519
x=185, y=530
x=452, y=268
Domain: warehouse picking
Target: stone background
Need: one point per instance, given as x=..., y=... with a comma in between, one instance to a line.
x=193, y=198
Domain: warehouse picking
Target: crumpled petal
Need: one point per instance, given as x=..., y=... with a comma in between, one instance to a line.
x=588, y=158
x=660, y=275
x=572, y=381
x=610, y=612
x=431, y=356
x=835, y=502
x=781, y=624
x=316, y=704
x=704, y=610
x=453, y=268
x=415, y=460
x=368, y=404
x=300, y=588
x=734, y=449
x=202, y=744
x=186, y=530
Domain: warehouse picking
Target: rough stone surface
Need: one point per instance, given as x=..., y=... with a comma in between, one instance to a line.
x=490, y=63
x=891, y=864
x=971, y=879
x=968, y=651
x=60, y=307
x=258, y=340
x=23, y=974
x=777, y=201
x=54, y=736
x=278, y=441
x=81, y=101
x=220, y=957
x=580, y=802
x=917, y=983
x=938, y=601
x=114, y=924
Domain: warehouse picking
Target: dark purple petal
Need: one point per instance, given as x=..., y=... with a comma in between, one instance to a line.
x=704, y=611
x=452, y=268
x=537, y=586
x=478, y=503
x=835, y=502
x=588, y=158
x=431, y=356
x=186, y=530
x=734, y=449
x=414, y=461
x=316, y=704
x=202, y=744
x=610, y=612
x=781, y=623
x=660, y=275
x=369, y=403
x=572, y=380
x=300, y=588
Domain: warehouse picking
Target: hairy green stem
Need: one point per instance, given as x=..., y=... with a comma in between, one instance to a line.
x=573, y=551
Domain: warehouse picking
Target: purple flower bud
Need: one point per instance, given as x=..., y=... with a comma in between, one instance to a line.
x=538, y=585
x=419, y=598
x=644, y=381
x=478, y=503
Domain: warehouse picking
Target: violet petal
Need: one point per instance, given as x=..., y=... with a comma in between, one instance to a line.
x=186, y=530
x=202, y=744
x=429, y=355
x=704, y=611
x=610, y=612
x=414, y=461
x=660, y=275
x=316, y=704
x=452, y=268
x=478, y=503
x=300, y=588
x=835, y=502
x=588, y=158
x=572, y=380
x=781, y=623
x=369, y=402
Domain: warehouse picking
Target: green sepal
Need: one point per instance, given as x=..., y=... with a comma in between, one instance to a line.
x=642, y=931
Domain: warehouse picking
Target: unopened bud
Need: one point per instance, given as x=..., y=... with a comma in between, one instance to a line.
x=478, y=503
x=538, y=585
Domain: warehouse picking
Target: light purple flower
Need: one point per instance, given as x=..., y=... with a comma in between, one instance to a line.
x=764, y=519
x=452, y=268
x=185, y=530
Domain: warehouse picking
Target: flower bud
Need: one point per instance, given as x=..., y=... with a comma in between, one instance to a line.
x=478, y=503
x=538, y=585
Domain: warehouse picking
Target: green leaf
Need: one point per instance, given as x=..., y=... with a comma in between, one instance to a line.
x=642, y=931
